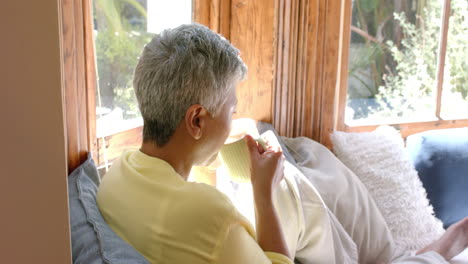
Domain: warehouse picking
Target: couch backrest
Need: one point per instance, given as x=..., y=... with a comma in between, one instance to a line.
x=441, y=159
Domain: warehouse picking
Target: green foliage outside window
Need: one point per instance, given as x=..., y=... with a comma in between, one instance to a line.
x=457, y=51
x=120, y=38
x=119, y=52
x=394, y=62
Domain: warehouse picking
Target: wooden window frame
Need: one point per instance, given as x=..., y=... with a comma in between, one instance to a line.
x=78, y=78
x=408, y=128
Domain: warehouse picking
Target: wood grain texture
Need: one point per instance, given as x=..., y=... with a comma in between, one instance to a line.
x=201, y=12
x=331, y=69
x=215, y=15
x=407, y=129
x=80, y=88
x=312, y=57
x=90, y=79
x=225, y=18
x=316, y=58
x=307, y=68
x=345, y=35
x=111, y=147
x=280, y=100
x=79, y=75
x=291, y=91
x=69, y=76
x=252, y=31
x=74, y=76
x=441, y=59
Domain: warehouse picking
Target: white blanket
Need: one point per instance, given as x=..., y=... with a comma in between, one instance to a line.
x=350, y=202
x=326, y=215
x=312, y=233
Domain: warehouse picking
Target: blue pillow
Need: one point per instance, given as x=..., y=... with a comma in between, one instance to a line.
x=441, y=159
x=93, y=242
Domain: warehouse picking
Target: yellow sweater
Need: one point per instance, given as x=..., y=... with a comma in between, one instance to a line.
x=170, y=220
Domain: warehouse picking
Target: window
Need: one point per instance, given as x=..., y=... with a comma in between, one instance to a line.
x=121, y=29
x=455, y=92
x=407, y=62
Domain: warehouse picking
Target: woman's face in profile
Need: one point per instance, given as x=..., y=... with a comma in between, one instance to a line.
x=218, y=129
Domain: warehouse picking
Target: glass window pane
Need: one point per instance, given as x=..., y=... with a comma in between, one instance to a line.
x=393, y=61
x=455, y=87
x=122, y=28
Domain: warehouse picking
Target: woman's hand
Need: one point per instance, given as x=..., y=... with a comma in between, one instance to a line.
x=266, y=167
x=266, y=173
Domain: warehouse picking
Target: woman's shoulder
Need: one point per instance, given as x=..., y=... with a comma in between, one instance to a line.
x=204, y=209
x=207, y=199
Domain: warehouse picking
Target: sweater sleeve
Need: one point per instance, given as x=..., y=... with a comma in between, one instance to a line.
x=240, y=247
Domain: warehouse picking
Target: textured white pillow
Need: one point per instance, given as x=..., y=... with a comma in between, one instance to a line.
x=379, y=159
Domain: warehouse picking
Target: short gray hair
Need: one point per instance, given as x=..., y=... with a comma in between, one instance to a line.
x=181, y=67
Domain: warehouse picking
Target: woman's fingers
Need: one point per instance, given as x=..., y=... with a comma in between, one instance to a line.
x=252, y=146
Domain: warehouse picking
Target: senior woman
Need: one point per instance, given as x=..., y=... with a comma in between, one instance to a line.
x=185, y=83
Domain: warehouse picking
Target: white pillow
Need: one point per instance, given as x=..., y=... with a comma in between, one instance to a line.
x=379, y=159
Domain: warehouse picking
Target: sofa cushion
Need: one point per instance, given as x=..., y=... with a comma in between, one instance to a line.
x=381, y=162
x=441, y=159
x=92, y=239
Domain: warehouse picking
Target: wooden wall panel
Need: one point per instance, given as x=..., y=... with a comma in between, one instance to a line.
x=201, y=12
x=315, y=60
x=294, y=51
x=300, y=91
x=253, y=32
x=307, y=81
x=331, y=65
x=298, y=57
x=215, y=14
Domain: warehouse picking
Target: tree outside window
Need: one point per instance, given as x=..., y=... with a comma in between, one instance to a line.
x=394, y=61
x=121, y=29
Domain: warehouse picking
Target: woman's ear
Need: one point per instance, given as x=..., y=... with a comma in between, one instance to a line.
x=195, y=120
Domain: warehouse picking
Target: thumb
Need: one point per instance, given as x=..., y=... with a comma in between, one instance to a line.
x=251, y=145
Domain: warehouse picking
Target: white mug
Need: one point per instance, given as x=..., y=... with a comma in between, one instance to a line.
x=235, y=157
